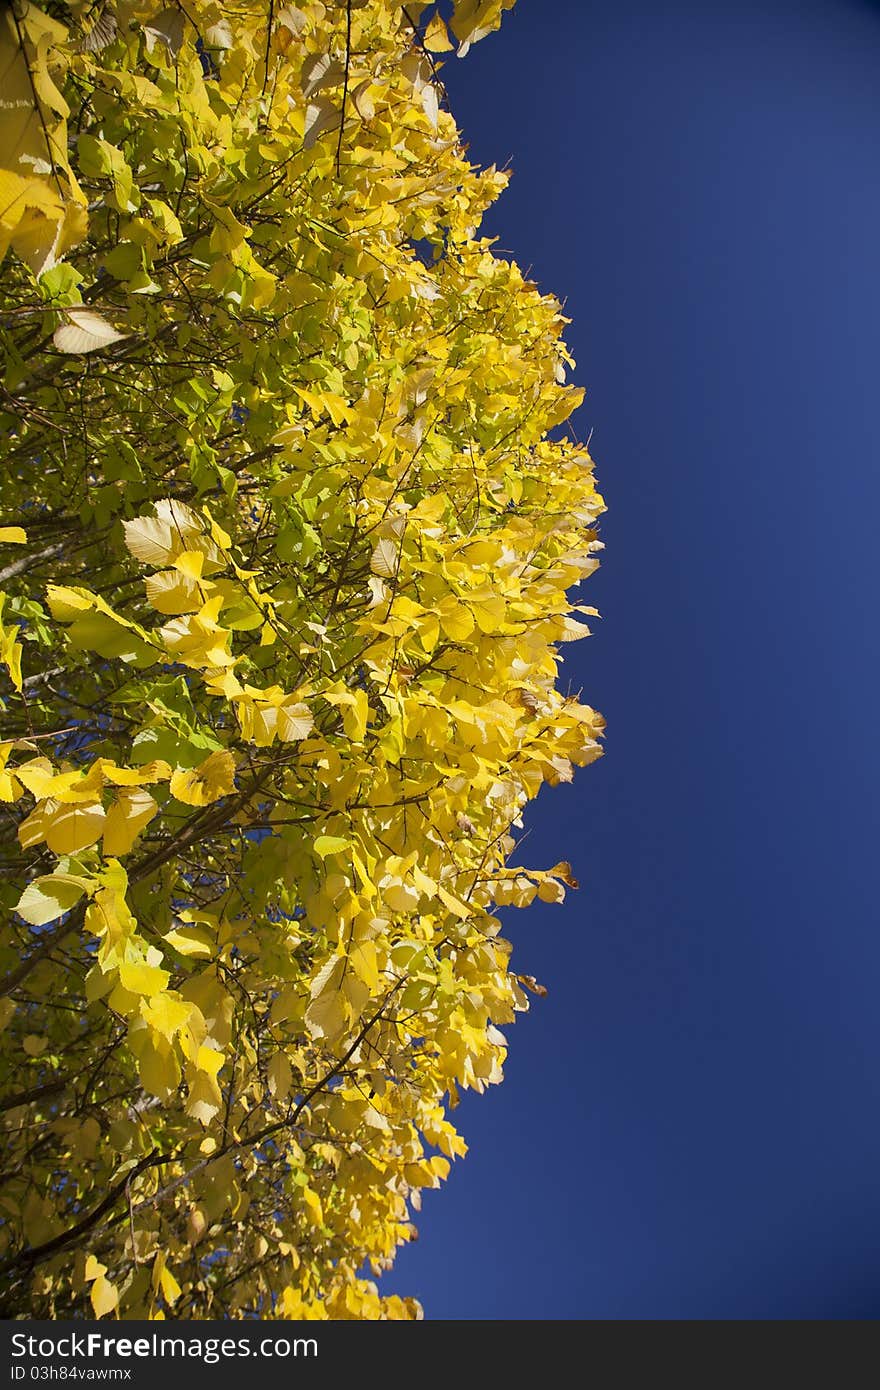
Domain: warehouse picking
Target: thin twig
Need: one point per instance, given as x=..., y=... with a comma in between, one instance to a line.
x=344, y=84
x=268, y=46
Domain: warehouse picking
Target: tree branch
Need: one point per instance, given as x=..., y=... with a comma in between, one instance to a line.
x=27, y=1258
x=26, y=562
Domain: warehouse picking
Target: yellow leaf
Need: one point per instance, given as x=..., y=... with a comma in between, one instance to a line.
x=355, y=715
x=325, y=1015
x=321, y=116
x=429, y=631
x=151, y=539
x=489, y=611
x=104, y=1297
x=474, y=19
x=173, y=593
x=435, y=37
x=156, y=771
x=208, y=782
x=72, y=828
x=218, y=535
x=158, y=1067
x=563, y=870
x=209, y=1060
x=65, y=603
x=10, y=787
x=167, y=1014
x=455, y=905
x=166, y=220
x=204, y=1099
x=572, y=630
x=176, y=528
x=40, y=778
x=330, y=844
x=12, y=535
x=131, y=811
x=280, y=1076
x=169, y=1285
x=312, y=1204
x=196, y=1225
x=140, y=978
x=320, y=401
x=32, y=830
x=10, y=647
x=364, y=961
x=192, y=941
x=190, y=563
x=456, y=619
x=363, y=99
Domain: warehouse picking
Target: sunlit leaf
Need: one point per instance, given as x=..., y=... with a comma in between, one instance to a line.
x=82, y=331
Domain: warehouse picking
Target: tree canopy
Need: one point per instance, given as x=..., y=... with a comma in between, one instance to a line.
x=288, y=534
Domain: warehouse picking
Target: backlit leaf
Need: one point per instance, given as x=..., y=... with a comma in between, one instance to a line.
x=130, y=813
x=83, y=331
x=49, y=897
x=209, y=781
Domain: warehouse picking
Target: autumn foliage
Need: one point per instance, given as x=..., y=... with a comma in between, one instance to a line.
x=288, y=542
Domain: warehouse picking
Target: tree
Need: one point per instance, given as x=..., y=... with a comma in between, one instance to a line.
x=288, y=529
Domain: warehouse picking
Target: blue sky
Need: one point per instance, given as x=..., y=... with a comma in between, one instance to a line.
x=689, y=1125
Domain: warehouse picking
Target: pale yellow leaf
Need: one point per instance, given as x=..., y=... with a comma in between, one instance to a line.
x=49, y=897
x=321, y=116
x=384, y=558
x=167, y=27
x=204, y=1099
x=320, y=70
x=280, y=1076
x=294, y=721
x=84, y=331
x=325, y=1015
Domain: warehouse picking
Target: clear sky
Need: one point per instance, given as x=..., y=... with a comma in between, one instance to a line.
x=689, y=1126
